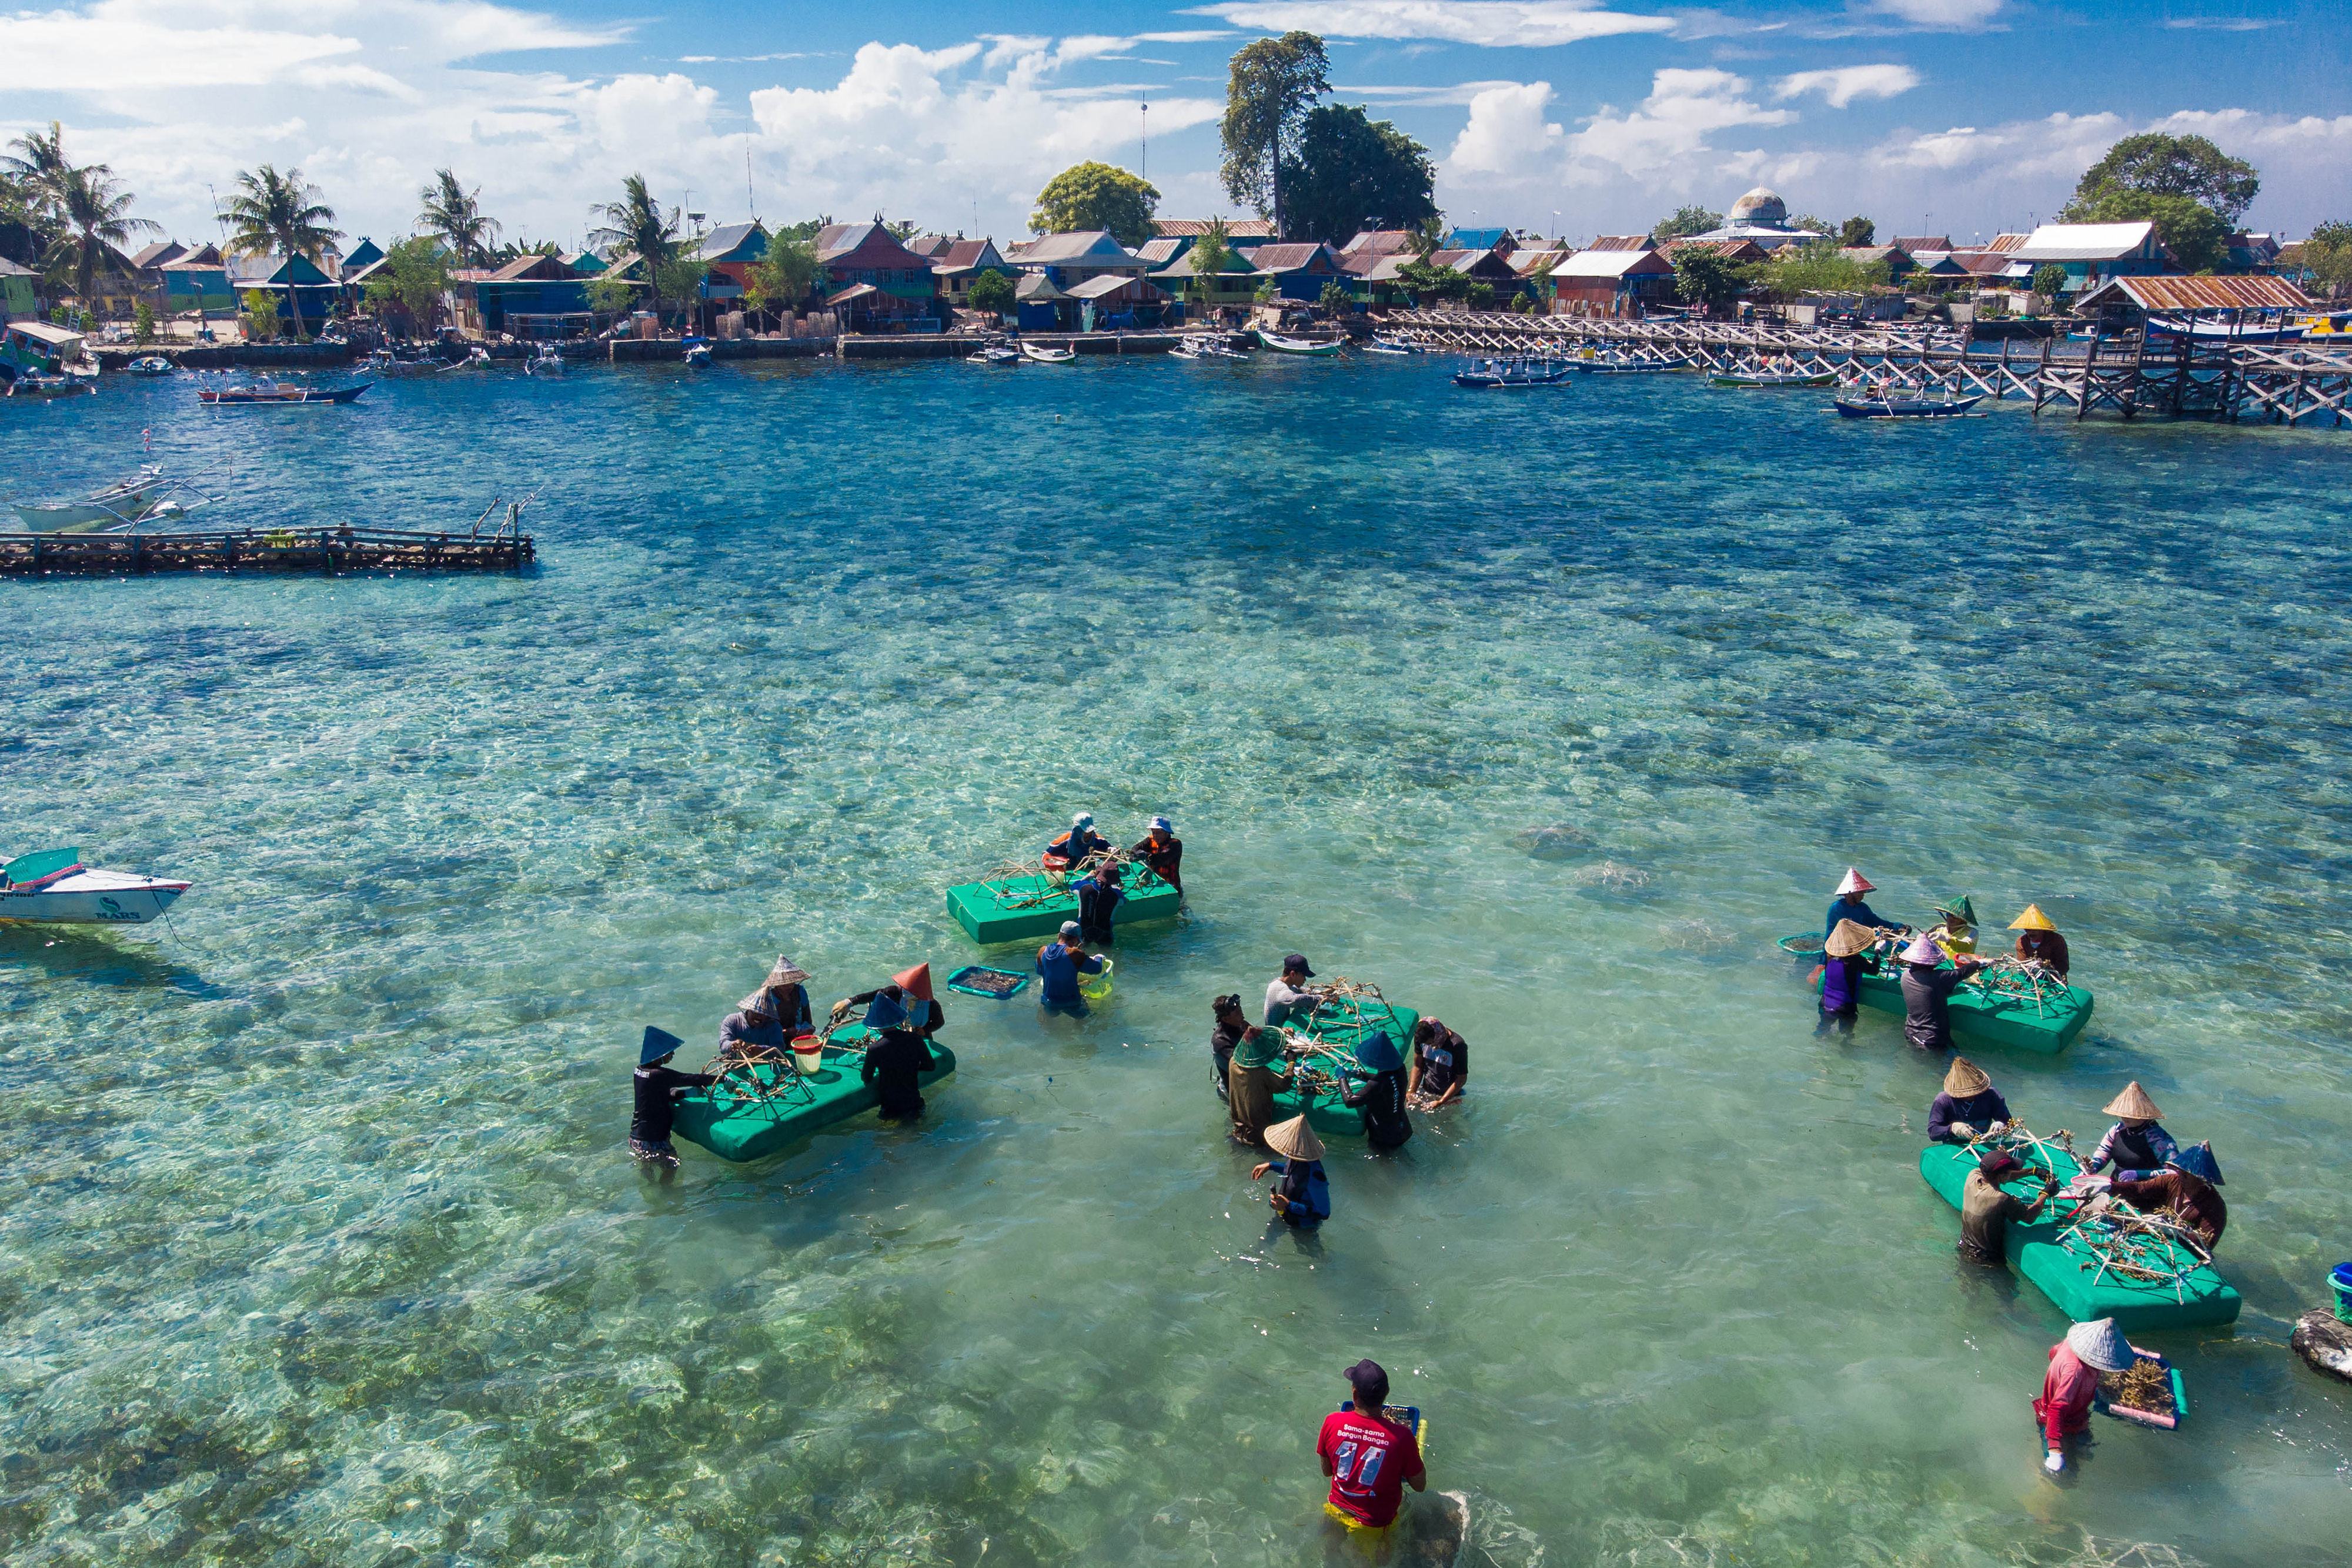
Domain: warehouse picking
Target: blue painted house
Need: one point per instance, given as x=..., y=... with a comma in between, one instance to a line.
x=530, y=297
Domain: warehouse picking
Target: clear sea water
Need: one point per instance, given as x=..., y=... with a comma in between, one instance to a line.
x=319, y=1242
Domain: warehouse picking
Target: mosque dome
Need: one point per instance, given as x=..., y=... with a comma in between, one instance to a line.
x=1760, y=206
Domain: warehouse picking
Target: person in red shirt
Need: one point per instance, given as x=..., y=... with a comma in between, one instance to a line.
x=2064, y=1405
x=1370, y=1459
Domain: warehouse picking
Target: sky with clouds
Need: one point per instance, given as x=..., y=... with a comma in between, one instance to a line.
x=1576, y=116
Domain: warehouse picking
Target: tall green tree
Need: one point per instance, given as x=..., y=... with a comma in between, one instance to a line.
x=454, y=215
x=1687, y=220
x=34, y=164
x=273, y=211
x=993, y=291
x=2158, y=165
x=636, y=223
x=94, y=211
x=1857, y=232
x=1704, y=277
x=415, y=275
x=1269, y=87
x=2327, y=258
x=1351, y=169
x=2195, y=234
x=781, y=279
x=1211, y=253
x=1097, y=196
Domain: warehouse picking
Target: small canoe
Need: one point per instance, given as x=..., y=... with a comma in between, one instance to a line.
x=739, y=1128
x=1906, y=407
x=54, y=888
x=1512, y=374
x=1629, y=367
x=1282, y=344
x=1325, y=1111
x=1014, y=909
x=1824, y=379
x=283, y=393
x=2071, y=1275
x=1049, y=356
x=150, y=365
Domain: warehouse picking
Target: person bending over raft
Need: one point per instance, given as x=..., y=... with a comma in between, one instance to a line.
x=1059, y=964
x=1232, y=1024
x=1164, y=851
x=1956, y=932
x=1986, y=1210
x=1927, y=993
x=1848, y=906
x=1286, y=999
x=1969, y=1107
x=2038, y=941
x=2184, y=1190
x=1098, y=898
x=1068, y=849
x=659, y=1086
x=2063, y=1408
x=1251, y=1083
x=904, y=1016
x=1381, y=1098
x=2139, y=1147
x=1441, y=1066
x=1370, y=1459
x=1848, y=954
x=771, y=1018
x=1303, y=1196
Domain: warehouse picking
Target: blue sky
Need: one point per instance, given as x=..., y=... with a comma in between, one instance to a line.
x=1576, y=117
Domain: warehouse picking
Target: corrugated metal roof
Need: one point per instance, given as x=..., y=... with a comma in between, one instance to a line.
x=1235, y=228
x=2085, y=242
x=1611, y=264
x=2003, y=244
x=1080, y=245
x=1621, y=242
x=2206, y=293
x=1286, y=257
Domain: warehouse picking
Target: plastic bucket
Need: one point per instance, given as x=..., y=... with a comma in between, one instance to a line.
x=808, y=1054
x=2340, y=1276
x=1095, y=988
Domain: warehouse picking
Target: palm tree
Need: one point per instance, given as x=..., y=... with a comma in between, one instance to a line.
x=280, y=212
x=95, y=212
x=38, y=163
x=635, y=221
x=455, y=214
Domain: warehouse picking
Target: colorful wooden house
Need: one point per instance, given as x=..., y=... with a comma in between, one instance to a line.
x=530, y=297
x=1070, y=259
x=314, y=295
x=1300, y=271
x=16, y=290
x=1611, y=278
x=869, y=257
x=730, y=251
x=956, y=269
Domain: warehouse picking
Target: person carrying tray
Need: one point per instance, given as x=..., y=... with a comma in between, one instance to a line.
x=1848, y=906
x=1059, y=964
x=1074, y=846
x=1986, y=1210
x=1927, y=991
x=1370, y=1459
x=2063, y=1408
x=1969, y=1107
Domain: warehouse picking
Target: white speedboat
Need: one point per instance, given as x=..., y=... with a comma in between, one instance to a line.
x=1048, y=356
x=994, y=354
x=1282, y=344
x=54, y=888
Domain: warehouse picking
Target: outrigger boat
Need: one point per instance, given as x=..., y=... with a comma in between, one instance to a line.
x=1048, y=356
x=1754, y=379
x=547, y=361
x=1392, y=346
x=1282, y=344
x=1906, y=407
x=994, y=354
x=31, y=384
x=147, y=497
x=282, y=392
x=150, y=365
x=1619, y=365
x=1514, y=373
x=54, y=888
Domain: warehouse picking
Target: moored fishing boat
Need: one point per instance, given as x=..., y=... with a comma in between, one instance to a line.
x=994, y=354
x=1282, y=343
x=280, y=392
x=147, y=497
x=52, y=887
x=1906, y=407
x=760, y=1107
x=1379, y=345
x=1045, y=356
x=698, y=354
x=2093, y=1259
x=1626, y=365
x=30, y=384
x=1497, y=373
x=150, y=365
x=1774, y=378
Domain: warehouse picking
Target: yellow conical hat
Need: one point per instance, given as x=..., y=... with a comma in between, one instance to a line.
x=2031, y=920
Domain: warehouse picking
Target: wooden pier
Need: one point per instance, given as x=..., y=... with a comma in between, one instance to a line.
x=2176, y=376
x=261, y=550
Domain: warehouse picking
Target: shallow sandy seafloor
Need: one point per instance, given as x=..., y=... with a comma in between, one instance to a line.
x=319, y=1243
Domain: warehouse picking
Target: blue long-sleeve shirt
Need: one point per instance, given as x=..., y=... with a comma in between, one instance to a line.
x=1855, y=910
x=1059, y=968
x=1305, y=1191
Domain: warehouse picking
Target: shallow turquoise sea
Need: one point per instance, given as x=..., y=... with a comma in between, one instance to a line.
x=320, y=1243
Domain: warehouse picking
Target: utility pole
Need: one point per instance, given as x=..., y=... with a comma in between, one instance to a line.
x=1147, y=140
x=751, y=202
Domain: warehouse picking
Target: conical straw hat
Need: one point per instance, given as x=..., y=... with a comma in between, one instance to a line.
x=2132, y=1104
x=2031, y=920
x=2101, y=1344
x=1851, y=937
x=914, y=982
x=1923, y=950
x=785, y=973
x=1856, y=882
x=1965, y=1078
x=1293, y=1140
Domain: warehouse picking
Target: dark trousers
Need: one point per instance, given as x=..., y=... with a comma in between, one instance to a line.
x=1840, y=1021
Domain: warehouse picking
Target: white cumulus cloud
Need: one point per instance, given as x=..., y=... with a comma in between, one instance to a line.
x=1671, y=126
x=1842, y=85
x=1957, y=15
x=1494, y=23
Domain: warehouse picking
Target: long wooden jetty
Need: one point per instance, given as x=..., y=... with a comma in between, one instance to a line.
x=309, y=549
x=2285, y=384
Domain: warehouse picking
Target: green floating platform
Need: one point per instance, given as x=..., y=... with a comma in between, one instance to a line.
x=1326, y=1113
x=2072, y=1279
x=2020, y=1024
x=750, y=1130
x=1019, y=908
